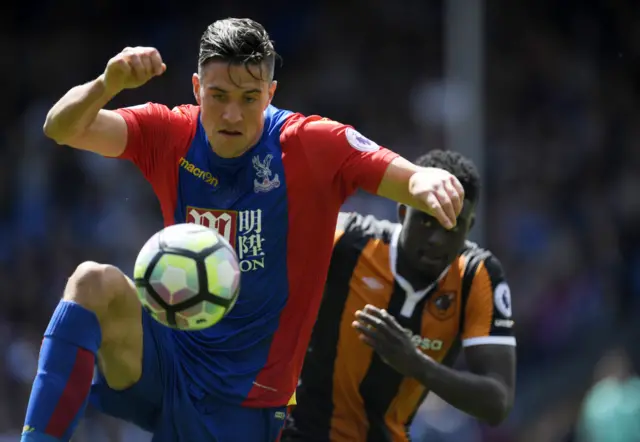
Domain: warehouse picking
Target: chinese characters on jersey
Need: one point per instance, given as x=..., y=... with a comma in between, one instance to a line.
x=242, y=229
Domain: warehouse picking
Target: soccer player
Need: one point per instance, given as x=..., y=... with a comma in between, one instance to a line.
x=400, y=301
x=272, y=183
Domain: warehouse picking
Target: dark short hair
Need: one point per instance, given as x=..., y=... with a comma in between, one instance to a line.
x=239, y=41
x=459, y=166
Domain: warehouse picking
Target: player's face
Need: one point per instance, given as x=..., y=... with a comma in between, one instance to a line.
x=232, y=99
x=428, y=246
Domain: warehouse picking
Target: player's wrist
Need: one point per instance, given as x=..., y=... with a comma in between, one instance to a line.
x=107, y=91
x=422, y=367
x=419, y=176
x=417, y=180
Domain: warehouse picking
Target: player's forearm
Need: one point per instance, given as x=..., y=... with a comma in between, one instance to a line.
x=480, y=396
x=76, y=110
x=398, y=184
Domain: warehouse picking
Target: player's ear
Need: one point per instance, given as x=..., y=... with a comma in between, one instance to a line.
x=195, y=81
x=402, y=213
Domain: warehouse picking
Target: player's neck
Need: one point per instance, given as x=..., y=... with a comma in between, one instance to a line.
x=227, y=153
x=418, y=279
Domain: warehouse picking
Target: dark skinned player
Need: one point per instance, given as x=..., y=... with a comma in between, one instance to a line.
x=401, y=301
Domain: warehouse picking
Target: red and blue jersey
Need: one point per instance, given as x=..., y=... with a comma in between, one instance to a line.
x=277, y=204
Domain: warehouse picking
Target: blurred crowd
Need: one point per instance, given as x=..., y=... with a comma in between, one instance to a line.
x=562, y=172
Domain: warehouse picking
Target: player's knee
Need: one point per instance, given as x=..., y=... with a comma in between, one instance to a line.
x=107, y=292
x=94, y=286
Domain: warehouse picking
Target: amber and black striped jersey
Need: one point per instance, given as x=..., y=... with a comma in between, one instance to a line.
x=346, y=392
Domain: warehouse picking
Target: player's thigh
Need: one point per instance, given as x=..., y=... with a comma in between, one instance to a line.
x=120, y=355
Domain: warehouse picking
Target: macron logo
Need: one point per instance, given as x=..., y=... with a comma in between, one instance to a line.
x=205, y=176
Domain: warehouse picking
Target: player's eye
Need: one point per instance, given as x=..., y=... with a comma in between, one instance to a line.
x=250, y=99
x=220, y=97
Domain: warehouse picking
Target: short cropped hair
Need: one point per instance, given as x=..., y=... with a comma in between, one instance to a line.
x=239, y=41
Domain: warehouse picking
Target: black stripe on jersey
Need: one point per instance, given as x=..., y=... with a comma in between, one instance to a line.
x=381, y=383
x=312, y=417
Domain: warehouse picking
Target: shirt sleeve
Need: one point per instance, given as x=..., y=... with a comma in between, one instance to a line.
x=488, y=310
x=155, y=134
x=341, y=155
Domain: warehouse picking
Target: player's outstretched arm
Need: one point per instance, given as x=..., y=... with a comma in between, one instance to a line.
x=429, y=189
x=78, y=118
x=339, y=151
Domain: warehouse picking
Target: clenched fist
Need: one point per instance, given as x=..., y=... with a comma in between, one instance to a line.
x=132, y=68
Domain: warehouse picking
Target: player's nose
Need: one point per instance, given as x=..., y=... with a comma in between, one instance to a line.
x=436, y=238
x=232, y=114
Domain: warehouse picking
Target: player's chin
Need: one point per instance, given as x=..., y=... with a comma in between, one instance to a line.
x=432, y=265
x=229, y=143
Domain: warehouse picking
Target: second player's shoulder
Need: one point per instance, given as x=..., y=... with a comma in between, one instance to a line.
x=489, y=308
x=355, y=228
x=486, y=277
x=475, y=257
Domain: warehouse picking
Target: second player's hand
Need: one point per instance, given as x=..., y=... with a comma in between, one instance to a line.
x=379, y=330
x=440, y=192
x=132, y=68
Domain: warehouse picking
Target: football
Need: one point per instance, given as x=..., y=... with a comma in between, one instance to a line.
x=187, y=277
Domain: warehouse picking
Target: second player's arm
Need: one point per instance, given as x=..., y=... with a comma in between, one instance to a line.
x=486, y=391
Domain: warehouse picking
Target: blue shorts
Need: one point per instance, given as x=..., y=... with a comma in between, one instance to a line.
x=164, y=403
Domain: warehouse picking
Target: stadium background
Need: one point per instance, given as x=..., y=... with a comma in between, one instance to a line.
x=557, y=133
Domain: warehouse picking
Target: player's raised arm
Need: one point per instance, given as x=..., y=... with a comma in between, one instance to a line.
x=429, y=189
x=78, y=118
x=358, y=162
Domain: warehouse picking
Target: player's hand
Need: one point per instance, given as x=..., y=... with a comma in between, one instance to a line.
x=379, y=330
x=440, y=192
x=132, y=68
